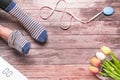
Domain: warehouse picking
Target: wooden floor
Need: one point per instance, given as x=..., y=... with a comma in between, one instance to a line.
x=67, y=53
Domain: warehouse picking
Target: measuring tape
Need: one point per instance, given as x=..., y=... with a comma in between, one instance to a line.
x=107, y=11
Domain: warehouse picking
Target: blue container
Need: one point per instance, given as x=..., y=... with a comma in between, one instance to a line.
x=108, y=11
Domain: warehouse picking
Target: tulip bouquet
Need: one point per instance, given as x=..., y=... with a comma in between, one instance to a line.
x=105, y=65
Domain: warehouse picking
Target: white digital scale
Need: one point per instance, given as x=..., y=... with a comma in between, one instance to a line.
x=8, y=72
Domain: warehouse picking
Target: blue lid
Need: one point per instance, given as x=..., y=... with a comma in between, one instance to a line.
x=108, y=11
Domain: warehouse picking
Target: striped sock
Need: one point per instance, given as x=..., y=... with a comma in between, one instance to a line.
x=17, y=41
x=36, y=30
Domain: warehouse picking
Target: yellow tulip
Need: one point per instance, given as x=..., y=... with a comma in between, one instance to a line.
x=106, y=50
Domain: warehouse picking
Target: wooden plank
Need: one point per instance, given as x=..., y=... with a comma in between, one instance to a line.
x=66, y=78
x=52, y=56
x=53, y=1
x=70, y=3
x=80, y=41
x=75, y=42
x=55, y=70
x=94, y=27
x=56, y=17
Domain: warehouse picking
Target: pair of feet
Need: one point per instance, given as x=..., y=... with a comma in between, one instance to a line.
x=37, y=31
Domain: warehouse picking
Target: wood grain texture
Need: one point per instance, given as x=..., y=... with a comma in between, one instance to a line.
x=66, y=54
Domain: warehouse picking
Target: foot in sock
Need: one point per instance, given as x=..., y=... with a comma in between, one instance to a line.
x=35, y=28
x=15, y=39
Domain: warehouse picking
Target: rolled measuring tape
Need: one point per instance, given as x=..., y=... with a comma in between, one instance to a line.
x=8, y=72
x=108, y=11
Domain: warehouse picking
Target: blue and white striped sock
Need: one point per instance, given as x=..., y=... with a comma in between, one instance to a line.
x=36, y=30
x=17, y=41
